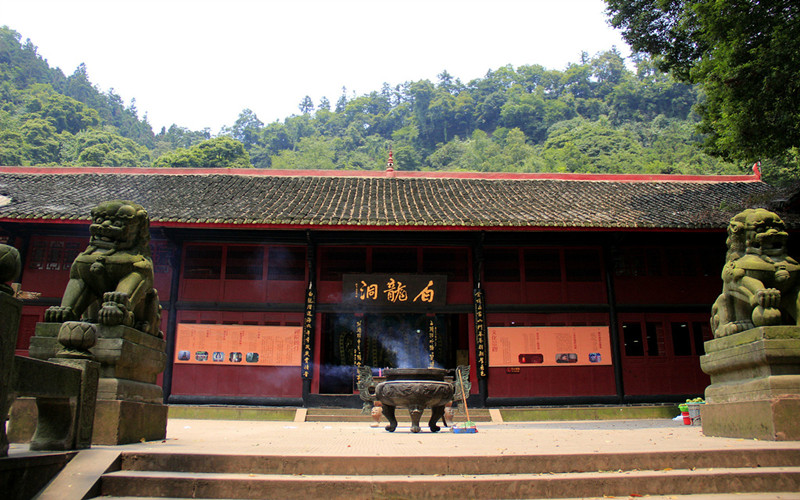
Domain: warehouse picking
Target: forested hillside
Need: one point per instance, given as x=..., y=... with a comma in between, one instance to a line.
x=594, y=116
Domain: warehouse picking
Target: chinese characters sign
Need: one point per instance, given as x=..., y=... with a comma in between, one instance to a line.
x=549, y=346
x=409, y=290
x=433, y=335
x=308, y=331
x=480, y=332
x=242, y=345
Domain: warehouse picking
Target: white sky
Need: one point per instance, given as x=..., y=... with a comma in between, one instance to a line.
x=199, y=63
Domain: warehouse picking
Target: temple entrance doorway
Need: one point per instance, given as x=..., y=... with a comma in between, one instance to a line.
x=394, y=340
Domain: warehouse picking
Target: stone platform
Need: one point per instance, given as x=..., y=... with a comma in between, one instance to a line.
x=123, y=352
x=755, y=384
x=129, y=401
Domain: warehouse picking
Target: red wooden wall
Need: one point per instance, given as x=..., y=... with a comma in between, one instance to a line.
x=551, y=381
x=647, y=278
x=660, y=353
x=243, y=381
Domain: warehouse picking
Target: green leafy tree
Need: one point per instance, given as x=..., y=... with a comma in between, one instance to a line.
x=451, y=156
x=80, y=88
x=363, y=113
x=745, y=54
x=298, y=127
x=595, y=115
x=342, y=101
x=463, y=114
x=42, y=145
x=246, y=128
x=534, y=76
x=311, y=153
x=21, y=64
x=219, y=152
x=523, y=110
x=182, y=137
x=306, y=105
x=273, y=138
x=422, y=93
x=64, y=113
x=489, y=110
x=484, y=153
x=608, y=68
x=517, y=151
x=70, y=103
x=107, y=149
x=577, y=80
x=648, y=94
x=12, y=148
x=406, y=155
x=440, y=111
x=583, y=146
x=223, y=152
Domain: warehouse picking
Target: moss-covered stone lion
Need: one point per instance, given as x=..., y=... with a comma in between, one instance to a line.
x=760, y=281
x=111, y=282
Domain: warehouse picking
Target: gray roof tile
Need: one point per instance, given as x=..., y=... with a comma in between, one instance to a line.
x=331, y=200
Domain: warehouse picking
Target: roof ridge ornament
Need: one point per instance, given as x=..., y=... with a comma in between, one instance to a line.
x=757, y=169
x=390, y=165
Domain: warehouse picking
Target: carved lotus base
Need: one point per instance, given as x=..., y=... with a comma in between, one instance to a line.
x=77, y=338
x=415, y=389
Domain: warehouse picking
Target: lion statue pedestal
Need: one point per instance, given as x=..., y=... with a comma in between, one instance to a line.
x=754, y=359
x=129, y=401
x=755, y=384
x=110, y=295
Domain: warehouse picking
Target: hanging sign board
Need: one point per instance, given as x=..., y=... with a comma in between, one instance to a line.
x=480, y=331
x=239, y=345
x=549, y=346
x=409, y=290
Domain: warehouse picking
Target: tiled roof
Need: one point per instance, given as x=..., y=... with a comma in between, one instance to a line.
x=372, y=201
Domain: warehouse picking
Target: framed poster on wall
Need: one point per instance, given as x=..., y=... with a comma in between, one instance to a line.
x=549, y=346
x=240, y=345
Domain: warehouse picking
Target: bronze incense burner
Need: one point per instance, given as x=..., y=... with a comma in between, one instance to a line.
x=416, y=389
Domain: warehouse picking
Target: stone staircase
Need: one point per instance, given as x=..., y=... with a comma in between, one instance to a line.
x=162, y=475
x=355, y=415
x=336, y=414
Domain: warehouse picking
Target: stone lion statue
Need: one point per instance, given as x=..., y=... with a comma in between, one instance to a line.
x=111, y=282
x=760, y=281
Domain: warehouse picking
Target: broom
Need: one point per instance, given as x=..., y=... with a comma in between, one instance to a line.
x=469, y=425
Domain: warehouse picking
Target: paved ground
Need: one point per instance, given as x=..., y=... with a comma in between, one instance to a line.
x=359, y=439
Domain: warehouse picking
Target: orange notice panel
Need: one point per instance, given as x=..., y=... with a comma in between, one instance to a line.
x=549, y=346
x=243, y=345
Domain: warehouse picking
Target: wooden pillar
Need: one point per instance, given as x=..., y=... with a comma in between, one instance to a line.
x=613, y=324
x=307, y=360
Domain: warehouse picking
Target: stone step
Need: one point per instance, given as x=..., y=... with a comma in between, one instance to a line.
x=402, y=415
x=449, y=465
x=172, y=475
x=702, y=496
x=521, y=485
x=509, y=414
x=232, y=412
x=591, y=412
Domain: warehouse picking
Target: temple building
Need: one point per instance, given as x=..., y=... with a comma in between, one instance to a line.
x=275, y=285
